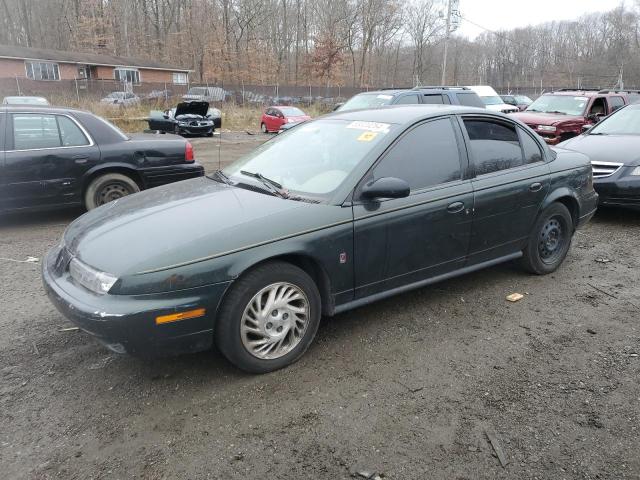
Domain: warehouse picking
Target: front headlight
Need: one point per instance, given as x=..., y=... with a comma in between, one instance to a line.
x=636, y=172
x=183, y=124
x=546, y=128
x=91, y=279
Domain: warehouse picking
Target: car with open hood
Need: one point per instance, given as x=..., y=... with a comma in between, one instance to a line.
x=187, y=118
x=613, y=145
x=336, y=213
x=563, y=114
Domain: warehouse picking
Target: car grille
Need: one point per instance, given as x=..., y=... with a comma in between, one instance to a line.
x=604, y=169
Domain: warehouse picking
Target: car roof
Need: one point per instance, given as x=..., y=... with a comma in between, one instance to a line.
x=39, y=109
x=406, y=114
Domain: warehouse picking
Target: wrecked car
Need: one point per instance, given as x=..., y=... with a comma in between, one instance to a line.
x=187, y=118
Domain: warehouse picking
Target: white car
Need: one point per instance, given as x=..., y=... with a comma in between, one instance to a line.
x=21, y=100
x=492, y=100
x=121, y=98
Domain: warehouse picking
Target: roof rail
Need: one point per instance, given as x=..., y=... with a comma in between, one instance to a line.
x=582, y=89
x=391, y=88
x=619, y=91
x=440, y=87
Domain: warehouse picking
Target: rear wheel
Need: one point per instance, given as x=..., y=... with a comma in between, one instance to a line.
x=263, y=127
x=107, y=188
x=549, y=241
x=269, y=318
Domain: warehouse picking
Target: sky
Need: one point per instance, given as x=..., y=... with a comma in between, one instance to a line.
x=508, y=14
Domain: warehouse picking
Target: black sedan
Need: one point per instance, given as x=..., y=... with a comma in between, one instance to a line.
x=187, y=118
x=613, y=145
x=51, y=157
x=339, y=212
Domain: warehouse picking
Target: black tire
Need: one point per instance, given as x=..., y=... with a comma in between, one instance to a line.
x=228, y=335
x=263, y=127
x=549, y=241
x=108, y=187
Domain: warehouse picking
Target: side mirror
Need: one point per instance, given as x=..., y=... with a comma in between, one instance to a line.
x=586, y=128
x=386, y=187
x=337, y=106
x=165, y=116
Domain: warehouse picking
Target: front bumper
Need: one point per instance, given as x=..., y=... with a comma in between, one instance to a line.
x=196, y=130
x=126, y=324
x=620, y=189
x=156, y=176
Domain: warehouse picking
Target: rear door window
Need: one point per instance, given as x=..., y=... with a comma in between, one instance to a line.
x=470, y=100
x=35, y=131
x=2, y=147
x=616, y=103
x=408, y=100
x=433, y=99
x=425, y=156
x=494, y=145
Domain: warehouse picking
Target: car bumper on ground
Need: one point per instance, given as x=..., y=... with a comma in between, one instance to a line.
x=156, y=176
x=620, y=189
x=127, y=324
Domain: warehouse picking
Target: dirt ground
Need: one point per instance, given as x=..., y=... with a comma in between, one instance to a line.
x=406, y=387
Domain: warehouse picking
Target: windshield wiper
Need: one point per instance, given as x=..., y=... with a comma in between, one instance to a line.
x=273, y=186
x=597, y=133
x=221, y=175
x=557, y=111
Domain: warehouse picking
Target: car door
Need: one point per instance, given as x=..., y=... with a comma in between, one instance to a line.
x=269, y=119
x=402, y=241
x=510, y=184
x=278, y=119
x=47, y=154
x=159, y=120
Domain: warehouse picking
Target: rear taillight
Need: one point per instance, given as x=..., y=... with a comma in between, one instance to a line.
x=188, y=153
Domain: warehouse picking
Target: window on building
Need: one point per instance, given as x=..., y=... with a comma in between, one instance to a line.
x=180, y=78
x=42, y=70
x=128, y=75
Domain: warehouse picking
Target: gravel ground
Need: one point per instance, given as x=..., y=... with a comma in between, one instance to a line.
x=407, y=387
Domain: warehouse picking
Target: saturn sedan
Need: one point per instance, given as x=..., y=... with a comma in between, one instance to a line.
x=614, y=148
x=337, y=213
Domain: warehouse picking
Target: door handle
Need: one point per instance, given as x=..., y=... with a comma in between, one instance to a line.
x=535, y=187
x=455, y=207
x=80, y=159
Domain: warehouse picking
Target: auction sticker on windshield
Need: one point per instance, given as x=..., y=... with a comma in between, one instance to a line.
x=367, y=136
x=370, y=126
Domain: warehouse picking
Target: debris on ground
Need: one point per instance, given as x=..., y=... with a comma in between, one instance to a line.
x=69, y=329
x=369, y=474
x=515, y=297
x=28, y=260
x=493, y=439
x=591, y=331
x=603, y=260
x=102, y=363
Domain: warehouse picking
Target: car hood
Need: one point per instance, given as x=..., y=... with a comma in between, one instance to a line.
x=607, y=148
x=541, y=118
x=192, y=108
x=298, y=118
x=187, y=222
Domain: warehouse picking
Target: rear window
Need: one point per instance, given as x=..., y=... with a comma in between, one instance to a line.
x=470, y=100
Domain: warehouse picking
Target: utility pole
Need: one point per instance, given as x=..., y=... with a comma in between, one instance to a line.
x=451, y=26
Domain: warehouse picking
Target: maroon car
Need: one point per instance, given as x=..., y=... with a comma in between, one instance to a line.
x=561, y=115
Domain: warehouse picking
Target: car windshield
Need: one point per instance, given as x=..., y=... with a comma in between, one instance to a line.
x=291, y=112
x=565, y=104
x=313, y=159
x=493, y=100
x=624, y=122
x=367, y=100
x=523, y=99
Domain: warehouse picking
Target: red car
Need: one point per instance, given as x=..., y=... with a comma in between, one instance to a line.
x=561, y=115
x=274, y=118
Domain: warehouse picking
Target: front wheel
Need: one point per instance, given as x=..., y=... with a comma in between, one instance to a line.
x=108, y=187
x=269, y=318
x=263, y=127
x=549, y=241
